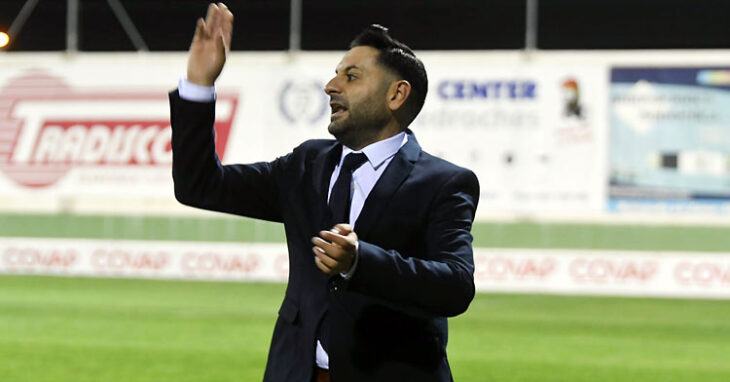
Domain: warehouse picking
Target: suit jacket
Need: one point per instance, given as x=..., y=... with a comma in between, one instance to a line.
x=415, y=265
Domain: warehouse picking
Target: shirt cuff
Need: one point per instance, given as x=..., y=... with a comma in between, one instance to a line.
x=347, y=275
x=194, y=92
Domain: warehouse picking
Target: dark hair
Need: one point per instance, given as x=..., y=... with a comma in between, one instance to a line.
x=399, y=58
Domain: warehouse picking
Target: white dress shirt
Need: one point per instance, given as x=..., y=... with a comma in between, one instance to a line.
x=379, y=155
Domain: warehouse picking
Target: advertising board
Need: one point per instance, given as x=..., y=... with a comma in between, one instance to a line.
x=670, y=140
x=592, y=272
x=92, y=134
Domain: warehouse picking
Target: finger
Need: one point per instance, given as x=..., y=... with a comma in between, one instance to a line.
x=220, y=43
x=343, y=229
x=336, y=238
x=322, y=267
x=322, y=256
x=199, y=29
x=212, y=21
x=226, y=25
x=225, y=11
x=328, y=247
x=333, y=251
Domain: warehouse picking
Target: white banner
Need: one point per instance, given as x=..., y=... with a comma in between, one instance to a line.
x=74, y=133
x=534, y=134
x=591, y=272
x=90, y=133
x=145, y=259
x=618, y=273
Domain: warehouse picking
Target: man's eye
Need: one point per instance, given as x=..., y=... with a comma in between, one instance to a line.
x=351, y=77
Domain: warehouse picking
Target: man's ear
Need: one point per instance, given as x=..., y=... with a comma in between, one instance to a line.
x=398, y=94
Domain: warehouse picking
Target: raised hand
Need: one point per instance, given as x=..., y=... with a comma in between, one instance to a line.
x=211, y=43
x=335, y=250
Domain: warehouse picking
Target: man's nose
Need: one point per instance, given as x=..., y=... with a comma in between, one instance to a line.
x=331, y=86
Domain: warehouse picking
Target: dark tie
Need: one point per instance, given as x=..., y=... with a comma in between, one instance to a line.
x=340, y=213
x=340, y=197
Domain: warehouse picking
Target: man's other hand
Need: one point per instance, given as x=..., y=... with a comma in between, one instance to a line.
x=335, y=250
x=211, y=43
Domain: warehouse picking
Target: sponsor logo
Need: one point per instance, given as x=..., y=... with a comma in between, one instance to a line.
x=303, y=101
x=602, y=270
x=48, y=128
x=194, y=262
x=487, y=90
x=35, y=258
x=122, y=260
x=102, y=142
x=572, y=105
x=702, y=273
x=504, y=268
x=574, y=126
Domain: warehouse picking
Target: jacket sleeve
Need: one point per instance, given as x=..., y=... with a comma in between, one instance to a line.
x=440, y=282
x=202, y=181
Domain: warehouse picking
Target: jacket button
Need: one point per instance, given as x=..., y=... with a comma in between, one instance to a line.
x=334, y=285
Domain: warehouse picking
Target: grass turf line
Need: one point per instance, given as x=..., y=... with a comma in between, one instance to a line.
x=84, y=329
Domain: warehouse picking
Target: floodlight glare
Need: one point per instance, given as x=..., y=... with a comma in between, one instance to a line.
x=4, y=39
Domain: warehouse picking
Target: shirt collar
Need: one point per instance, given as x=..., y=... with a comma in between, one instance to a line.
x=379, y=151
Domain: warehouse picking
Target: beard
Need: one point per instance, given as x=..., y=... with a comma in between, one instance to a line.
x=357, y=125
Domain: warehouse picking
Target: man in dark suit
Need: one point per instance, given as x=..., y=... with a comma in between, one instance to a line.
x=378, y=231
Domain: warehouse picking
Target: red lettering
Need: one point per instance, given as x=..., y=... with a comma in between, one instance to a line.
x=103, y=142
x=120, y=260
x=683, y=272
x=28, y=257
x=610, y=270
x=215, y=262
x=702, y=273
x=501, y=268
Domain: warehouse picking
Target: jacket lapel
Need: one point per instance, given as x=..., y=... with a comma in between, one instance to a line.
x=322, y=166
x=398, y=170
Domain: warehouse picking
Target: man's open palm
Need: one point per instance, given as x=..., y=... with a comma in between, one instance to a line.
x=211, y=43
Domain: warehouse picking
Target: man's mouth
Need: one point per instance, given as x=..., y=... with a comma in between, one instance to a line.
x=337, y=109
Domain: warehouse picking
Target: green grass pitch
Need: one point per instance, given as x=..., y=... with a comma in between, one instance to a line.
x=223, y=228
x=56, y=329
